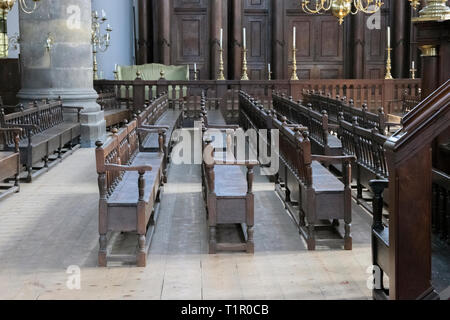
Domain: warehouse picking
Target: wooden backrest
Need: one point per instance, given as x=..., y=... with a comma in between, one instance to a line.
x=108, y=100
x=254, y=116
x=316, y=122
x=121, y=148
x=365, y=144
x=44, y=116
x=335, y=106
x=154, y=110
x=295, y=150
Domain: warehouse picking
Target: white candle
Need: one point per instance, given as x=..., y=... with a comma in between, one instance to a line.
x=269, y=67
x=389, y=37
x=116, y=67
x=195, y=67
x=295, y=37
x=221, y=38
x=245, y=39
x=413, y=65
x=103, y=13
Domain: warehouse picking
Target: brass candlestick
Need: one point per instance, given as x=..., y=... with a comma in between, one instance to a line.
x=388, y=65
x=195, y=75
x=221, y=75
x=270, y=75
x=294, y=64
x=413, y=73
x=244, y=66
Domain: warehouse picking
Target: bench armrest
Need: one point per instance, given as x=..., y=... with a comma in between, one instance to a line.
x=220, y=162
x=146, y=127
x=333, y=159
x=214, y=126
x=16, y=132
x=121, y=168
x=27, y=127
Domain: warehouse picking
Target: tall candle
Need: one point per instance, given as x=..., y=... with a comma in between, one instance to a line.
x=245, y=39
x=103, y=13
x=269, y=67
x=295, y=37
x=389, y=37
x=195, y=67
x=221, y=38
x=115, y=67
x=413, y=65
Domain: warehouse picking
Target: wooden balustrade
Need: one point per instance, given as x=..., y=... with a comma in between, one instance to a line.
x=375, y=93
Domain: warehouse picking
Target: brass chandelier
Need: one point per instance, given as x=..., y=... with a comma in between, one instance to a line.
x=27, y=6
x=341, y=8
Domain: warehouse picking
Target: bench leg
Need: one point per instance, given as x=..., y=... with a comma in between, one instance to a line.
x=311, y=240
x=46, y=162
x=250, y=242
x=212, y=240
x=59, y=153
x=348, y=237
x=141, y=259
x=16, y=180
x=102, y=251
x=29, y=178
x=302, y=221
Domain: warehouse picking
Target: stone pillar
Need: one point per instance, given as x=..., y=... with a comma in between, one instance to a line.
x=66, y=70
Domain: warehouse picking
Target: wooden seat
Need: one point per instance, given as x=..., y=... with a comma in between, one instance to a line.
x=129, y=183
x=126, y=192
x=171, y=120
x=230, y=182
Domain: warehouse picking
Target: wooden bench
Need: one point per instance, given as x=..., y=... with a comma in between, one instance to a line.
x=368, y=148
x=10, y=163
x=229, y=198
x=158, y=114
x=334, y=107
x=45, y=132
x=115, y=112
x=129, y=182
x=441, y=206
x=320, y=196
x=319, y=128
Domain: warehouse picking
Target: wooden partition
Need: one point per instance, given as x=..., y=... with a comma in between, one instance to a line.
x=376, y=93
x=409, y=159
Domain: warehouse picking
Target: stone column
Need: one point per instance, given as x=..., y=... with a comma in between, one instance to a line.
x=278, y=40
x=399, y=40
x=358, y=47
x=66, y=70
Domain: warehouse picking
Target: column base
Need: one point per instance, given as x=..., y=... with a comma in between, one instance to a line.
x=93, y=128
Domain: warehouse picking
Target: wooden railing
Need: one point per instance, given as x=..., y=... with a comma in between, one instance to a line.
x=375, y=93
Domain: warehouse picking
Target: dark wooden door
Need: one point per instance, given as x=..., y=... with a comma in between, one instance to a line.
x=190, y=34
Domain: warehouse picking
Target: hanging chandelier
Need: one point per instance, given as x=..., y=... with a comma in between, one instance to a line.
x=341, y=8
x=27, y=6
x=433, y=10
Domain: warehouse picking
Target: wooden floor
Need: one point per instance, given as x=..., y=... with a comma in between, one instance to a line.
x=52, y=224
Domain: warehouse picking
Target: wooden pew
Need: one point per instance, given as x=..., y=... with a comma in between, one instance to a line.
x=319, y=195
x=368, y=148
x=129, y=182
x=158, y=115
x=334, y=107
x=115, y=112
x=45, y=132
x=441, y=205
x=10, y=162
x=319, y=128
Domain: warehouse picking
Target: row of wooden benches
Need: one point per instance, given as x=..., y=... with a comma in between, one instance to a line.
x=132, y=168
x=35, y=139
x=313, y=195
